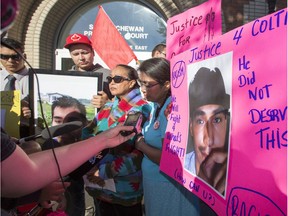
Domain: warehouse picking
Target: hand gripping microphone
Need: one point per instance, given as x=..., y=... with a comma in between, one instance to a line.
x=55, y=131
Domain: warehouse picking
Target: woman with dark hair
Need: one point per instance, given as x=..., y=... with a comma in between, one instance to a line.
x=121, y=167
x=162, y=194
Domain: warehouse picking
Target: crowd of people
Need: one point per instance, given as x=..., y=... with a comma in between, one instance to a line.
x=124, y=181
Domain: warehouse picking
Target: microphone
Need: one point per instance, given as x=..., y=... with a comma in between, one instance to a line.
x=55, y=131
x=88, y=165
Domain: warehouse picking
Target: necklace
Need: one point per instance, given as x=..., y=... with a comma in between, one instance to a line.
x=156, y=121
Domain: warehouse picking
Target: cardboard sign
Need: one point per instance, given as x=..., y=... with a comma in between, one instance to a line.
x=10, y=112
x=196, y=25
x=235, y=159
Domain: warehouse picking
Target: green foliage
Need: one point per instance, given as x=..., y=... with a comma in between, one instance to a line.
x=90, y=112
x=46, y=112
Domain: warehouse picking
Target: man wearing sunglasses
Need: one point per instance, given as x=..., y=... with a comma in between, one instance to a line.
x=209, y=128
x=14, y=76
x=82, y=54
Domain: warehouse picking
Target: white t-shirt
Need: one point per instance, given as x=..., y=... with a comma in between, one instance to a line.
x=189, y=163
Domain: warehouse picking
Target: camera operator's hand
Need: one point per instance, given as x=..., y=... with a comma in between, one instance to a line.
x=52, y=192
x=213, y=169
x=93, y=176
x=113, y=137
x=62, y=204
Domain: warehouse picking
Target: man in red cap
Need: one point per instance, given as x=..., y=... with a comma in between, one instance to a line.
x=82, y=54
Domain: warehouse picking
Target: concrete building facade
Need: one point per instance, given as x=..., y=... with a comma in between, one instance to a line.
x=39, y=21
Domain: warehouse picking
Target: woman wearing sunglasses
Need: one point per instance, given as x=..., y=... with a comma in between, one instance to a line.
x=116, y=182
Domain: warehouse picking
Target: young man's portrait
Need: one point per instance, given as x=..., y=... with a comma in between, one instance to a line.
x=209, y=127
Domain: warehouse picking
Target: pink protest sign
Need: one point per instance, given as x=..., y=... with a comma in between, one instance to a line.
x=196, y=25
x=226, y=139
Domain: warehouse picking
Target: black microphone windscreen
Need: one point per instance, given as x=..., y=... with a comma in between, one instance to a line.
x=88, y=165
x=58, y=130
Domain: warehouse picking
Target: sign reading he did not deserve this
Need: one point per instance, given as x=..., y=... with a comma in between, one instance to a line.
x=231, y=151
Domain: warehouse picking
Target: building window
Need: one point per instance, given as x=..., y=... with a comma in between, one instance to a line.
x=254, y=10
x=139, y=25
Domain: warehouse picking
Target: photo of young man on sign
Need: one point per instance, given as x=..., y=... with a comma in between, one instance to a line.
x=209, y=127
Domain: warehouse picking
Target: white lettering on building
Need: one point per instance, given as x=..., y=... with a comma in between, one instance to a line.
x=131, y=28
x=130, y=32
x=129, y=35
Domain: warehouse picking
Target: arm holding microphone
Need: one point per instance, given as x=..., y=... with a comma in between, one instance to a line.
x=68, y=136
x=23, y=174
x=52, y=192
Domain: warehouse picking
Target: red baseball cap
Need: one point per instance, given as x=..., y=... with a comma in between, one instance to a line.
x=77, y=39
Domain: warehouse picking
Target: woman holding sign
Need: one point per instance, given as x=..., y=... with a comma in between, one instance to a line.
x=162, y=194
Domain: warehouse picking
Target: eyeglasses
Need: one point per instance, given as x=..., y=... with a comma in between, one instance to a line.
x=16, y=57
x=117, y=79
x=147, y=84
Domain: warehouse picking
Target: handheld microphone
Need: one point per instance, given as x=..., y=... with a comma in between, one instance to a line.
x=55, y=131
x=88, y=165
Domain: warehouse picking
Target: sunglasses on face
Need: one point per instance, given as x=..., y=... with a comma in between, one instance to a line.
x=16, y=57
x=117, y=79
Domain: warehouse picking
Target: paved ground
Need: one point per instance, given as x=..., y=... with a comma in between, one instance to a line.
x=89, y=205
